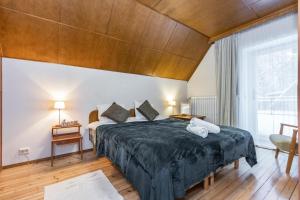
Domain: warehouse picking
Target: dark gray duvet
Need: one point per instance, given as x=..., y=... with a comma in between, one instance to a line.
x=162, y=160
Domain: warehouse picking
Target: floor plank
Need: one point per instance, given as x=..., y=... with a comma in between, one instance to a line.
x=266, y=180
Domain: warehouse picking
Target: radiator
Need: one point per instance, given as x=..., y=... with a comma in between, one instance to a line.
x=206, y=106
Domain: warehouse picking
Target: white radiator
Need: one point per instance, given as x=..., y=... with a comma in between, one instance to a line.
x=206, y=106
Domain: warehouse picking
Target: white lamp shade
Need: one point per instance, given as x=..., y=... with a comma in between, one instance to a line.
x=185, y=108
x=59, y=105
x=172, y=103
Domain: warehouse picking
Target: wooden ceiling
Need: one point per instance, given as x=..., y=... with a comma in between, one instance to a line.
x=119, y=35
x=164, y=38
x=213, y=17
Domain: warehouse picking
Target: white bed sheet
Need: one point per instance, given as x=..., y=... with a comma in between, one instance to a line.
x=103, y=121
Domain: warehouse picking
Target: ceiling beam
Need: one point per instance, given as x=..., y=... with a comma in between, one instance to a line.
x=278, y=13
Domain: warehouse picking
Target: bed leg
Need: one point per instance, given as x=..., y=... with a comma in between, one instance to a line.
x=236, y=164
x=94, y=149
x=212, y=178
x=206, y=183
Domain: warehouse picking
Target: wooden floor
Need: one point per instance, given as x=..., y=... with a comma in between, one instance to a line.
x=266, y=180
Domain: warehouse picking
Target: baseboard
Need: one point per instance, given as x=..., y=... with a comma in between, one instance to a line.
x=44, y=159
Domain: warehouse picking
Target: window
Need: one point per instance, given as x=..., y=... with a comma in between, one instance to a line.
x=268, y=79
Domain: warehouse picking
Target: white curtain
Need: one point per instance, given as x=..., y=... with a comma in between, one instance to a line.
x=226, y=75
x=267, y=77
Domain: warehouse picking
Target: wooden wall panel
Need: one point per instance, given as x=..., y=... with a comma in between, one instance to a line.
x=41, y=8
x=186, y=68
x=167, y=66
x=195, y=45
x=92, y=15
x=115, y=55
x=264, y=7
x=177, y=40
x=175, y=66
x=76, y=47
x=212, y=17
x=146, y=61
x=157, y=31
x=117, y=35
x=128, y=20
x=27, y=37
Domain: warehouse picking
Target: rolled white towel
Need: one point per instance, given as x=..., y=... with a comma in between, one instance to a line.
x=200, y=131
x=212, y=128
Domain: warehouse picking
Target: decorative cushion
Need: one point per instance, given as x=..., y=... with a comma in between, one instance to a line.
x=282, y=142
x=148, y=111
x=116, y=113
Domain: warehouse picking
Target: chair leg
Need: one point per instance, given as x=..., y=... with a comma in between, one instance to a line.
x=276, y=153
x=289, y=162
x=292, y=151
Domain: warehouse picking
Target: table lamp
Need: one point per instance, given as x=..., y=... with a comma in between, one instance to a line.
x=59, y=105
x=172, y=103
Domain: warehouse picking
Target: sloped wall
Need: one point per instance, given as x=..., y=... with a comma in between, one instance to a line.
x=203, y=81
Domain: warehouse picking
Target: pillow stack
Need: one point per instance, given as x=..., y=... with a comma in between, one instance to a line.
x=119, y=114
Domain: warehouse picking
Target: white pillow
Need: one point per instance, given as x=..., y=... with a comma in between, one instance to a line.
x=105, y=120
x=102, y=108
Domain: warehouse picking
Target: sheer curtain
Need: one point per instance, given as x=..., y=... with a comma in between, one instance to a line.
x=267, y=77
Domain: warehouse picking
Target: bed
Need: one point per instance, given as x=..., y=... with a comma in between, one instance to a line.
x=162, y=160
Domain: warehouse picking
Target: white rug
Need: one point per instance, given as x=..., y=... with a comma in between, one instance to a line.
x=91, y=186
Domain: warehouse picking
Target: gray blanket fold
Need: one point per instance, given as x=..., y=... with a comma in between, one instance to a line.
x=162, y=160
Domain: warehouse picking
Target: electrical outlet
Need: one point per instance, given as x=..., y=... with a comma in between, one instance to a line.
x=24, y=151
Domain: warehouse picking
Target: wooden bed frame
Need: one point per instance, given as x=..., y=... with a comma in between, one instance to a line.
x=208, y=181
x=93, y=117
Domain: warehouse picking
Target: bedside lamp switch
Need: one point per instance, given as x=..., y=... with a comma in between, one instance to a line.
x=24, y=151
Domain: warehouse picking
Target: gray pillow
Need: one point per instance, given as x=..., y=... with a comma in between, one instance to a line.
x=116, y=113
x=148, y=111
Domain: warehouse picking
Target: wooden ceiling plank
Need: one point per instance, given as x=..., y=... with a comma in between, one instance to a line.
x=86, y=15
x=76, y=47
x=42, y=8
x=276, y=14
x=29, y=38
x=153, y=3
x=146, y=61
x=167, y=66
x=264, y=7
x=153, y=36
x=128, y=20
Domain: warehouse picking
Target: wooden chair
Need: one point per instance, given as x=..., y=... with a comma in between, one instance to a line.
x=286, y=144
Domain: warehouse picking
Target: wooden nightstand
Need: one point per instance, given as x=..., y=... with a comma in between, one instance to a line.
x=187, y=117
x=65, y=138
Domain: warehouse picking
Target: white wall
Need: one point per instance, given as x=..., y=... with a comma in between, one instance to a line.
x=29, y=89
x=203, y=81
